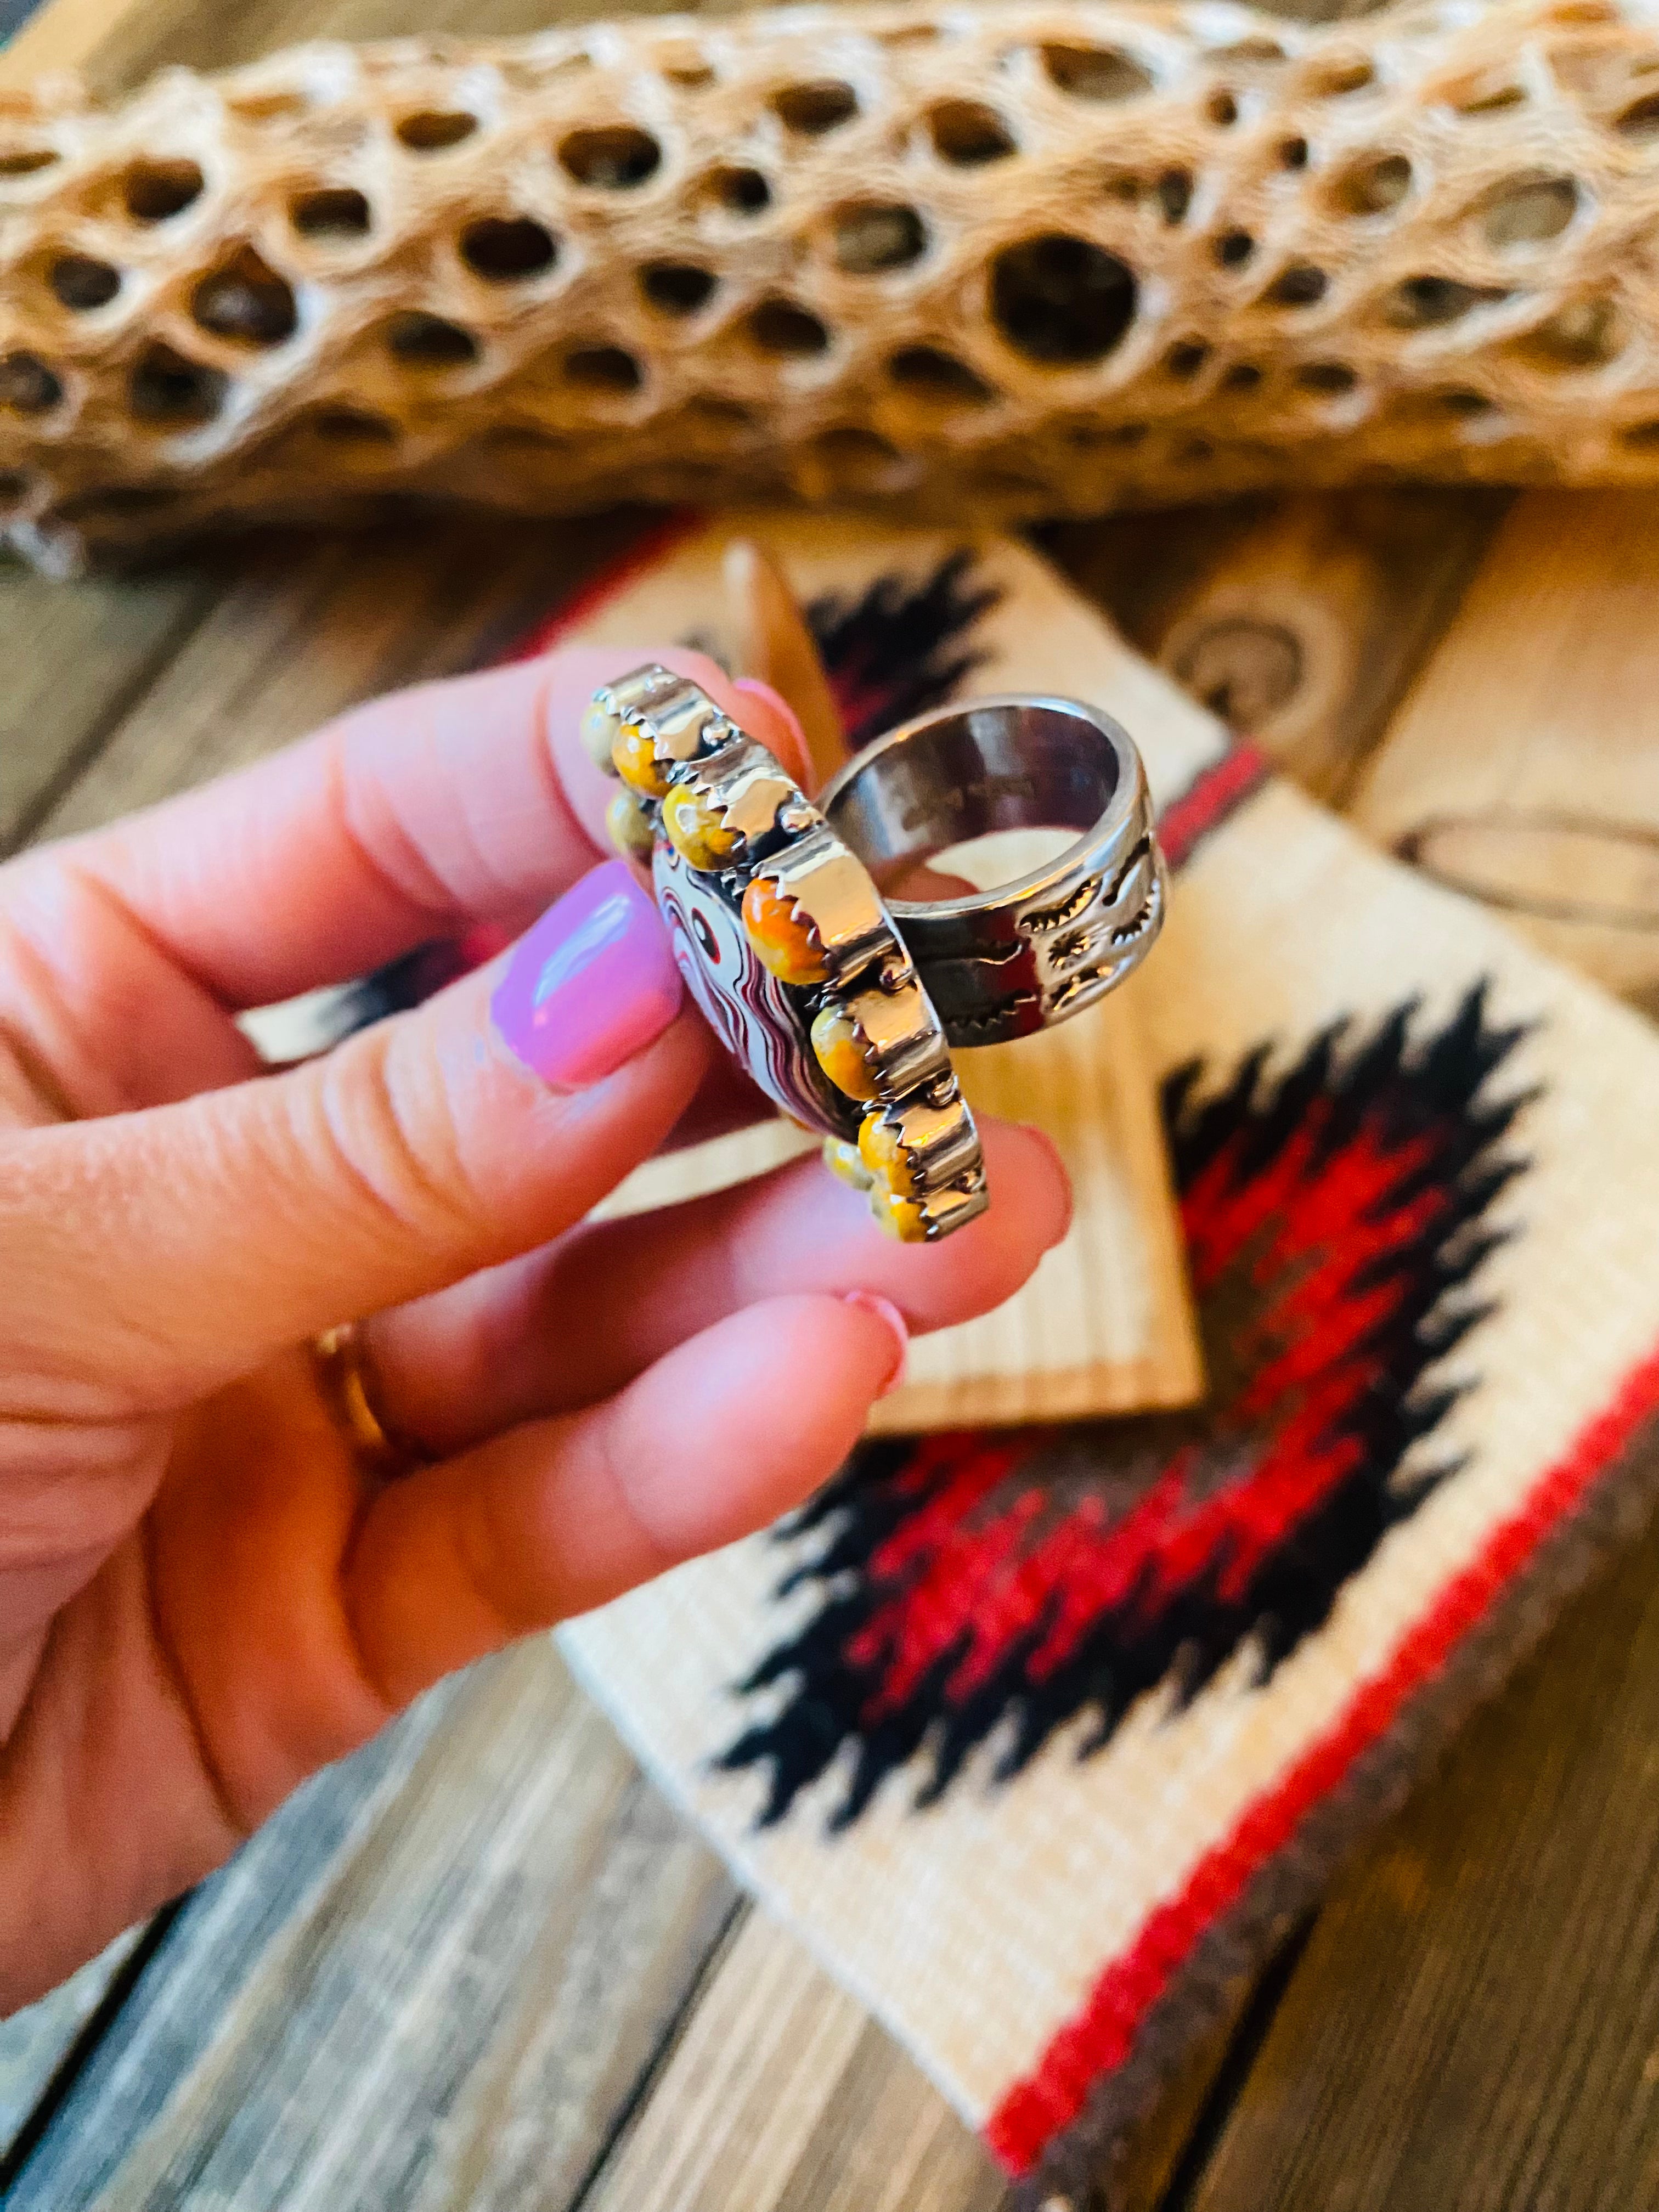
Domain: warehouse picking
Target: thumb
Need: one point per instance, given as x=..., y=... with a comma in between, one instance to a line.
x=154, y=1254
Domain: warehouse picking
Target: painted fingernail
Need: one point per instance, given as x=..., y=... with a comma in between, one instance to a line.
x=884, y=1310
x=591, y=984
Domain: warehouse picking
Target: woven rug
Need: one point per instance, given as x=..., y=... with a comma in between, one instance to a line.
x=1038, y=1738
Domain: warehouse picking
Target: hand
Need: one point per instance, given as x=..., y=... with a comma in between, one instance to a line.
x=203, y=1595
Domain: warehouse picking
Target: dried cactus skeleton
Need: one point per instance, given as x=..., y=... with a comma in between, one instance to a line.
x=1028, y=258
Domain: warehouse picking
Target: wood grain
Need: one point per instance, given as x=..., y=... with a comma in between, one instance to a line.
x=74, y=660
x=1525, y=764
x=1299, y=621
x=435, y=1976
x=1475, y=2025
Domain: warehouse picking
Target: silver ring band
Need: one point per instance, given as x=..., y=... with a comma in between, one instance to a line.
x=1002, y=963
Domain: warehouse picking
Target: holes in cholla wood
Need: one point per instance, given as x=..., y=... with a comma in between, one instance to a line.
x=677, y=288
x=1640, y=120
x=1059, y=299
x=1338, y=79
x=242, y=297
x=737, y=189
x=606, y=369
x=1221, y=108
x=165, y=387
x=1584, y=334
x=1175, y=195
x=786, y=331
x=152, y=192
x=27, y=386
x=872, y=236
x=810, y=110
x=81, y=282
x=331, y=212
x=614, y=157
x=15, y=488
x=1422, y=303
x=1327, y=380
x=25, y=161
x=1374, y=183
x=1243, y=377
x=1232, y=249
x=419, y=340
x=1301, y=285
x=1488, y=92
x=1185, y=358
x=1099, y=73
x=968, y=134
x=1528, y=210
x=433, y=130
x=931, y=374
x=508, y=249
x=1291, y=154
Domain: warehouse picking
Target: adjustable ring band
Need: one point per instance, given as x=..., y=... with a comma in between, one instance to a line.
x=1002, y=963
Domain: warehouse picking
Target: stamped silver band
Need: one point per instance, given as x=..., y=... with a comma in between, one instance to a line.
x=1000, y=964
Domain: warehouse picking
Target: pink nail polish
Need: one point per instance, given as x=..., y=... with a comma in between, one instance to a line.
x=884, y=1310
x=591, y=984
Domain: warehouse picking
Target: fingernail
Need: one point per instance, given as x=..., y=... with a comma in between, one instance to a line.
x=884, y=1310
x=591, y=984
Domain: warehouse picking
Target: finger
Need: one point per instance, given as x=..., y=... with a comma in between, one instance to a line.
x=401, y=821
x=568, y=1325
x=163, y=1252
x=716, y=1440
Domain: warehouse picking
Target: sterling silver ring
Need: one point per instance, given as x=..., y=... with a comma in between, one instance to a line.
x=843, y=1005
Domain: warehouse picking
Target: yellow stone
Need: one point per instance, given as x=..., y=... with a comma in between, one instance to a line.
x=696, y=831
x=842, y=1160
x=631, y=826
x=783, y=937
x=883, y=1152
x=634, y=756
x=840, y=1045
x=900, y=1216
x=599, y=726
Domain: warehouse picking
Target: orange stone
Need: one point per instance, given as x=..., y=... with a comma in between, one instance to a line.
x=782, y=935
x=634, y=756
x=696, y=828
x=882, y=1150
x=839, y=1043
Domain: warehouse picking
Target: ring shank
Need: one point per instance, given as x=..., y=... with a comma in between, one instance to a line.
x=1000, y=964
x=996, y=764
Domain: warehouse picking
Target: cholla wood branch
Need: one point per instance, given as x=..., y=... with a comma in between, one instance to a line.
x=1024, y=259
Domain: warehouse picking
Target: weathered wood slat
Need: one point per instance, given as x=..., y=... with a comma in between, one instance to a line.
x=1301, y=622
x=435, y=1978
x=1525, y=764
x=1475, y=2023
x=781, y=2096
x=74, y=660
x=301, y=631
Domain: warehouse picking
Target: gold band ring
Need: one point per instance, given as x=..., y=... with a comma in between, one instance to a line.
x=345, y=1379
